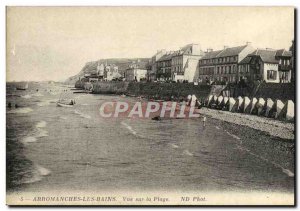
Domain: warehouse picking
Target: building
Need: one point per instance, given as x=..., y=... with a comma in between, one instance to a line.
x=222, y=66
x=153, y=63
x=164, y=67
x=102, y=72
x=180, y=65
x=285, y=65
x=135, y=73
x=269, y=65
x=292, y=49
x=184, y=65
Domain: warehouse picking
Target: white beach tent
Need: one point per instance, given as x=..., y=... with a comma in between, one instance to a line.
x=215, y=98
x=253, y=105
x=225, y=100
x=246, y=104
x=279, y=108
x=232, y=104
x=220, y=100
x=210, y=98
x=240, y=102
x=290, y=110
x=260, y=105
x=193, y=100
x=269, y=105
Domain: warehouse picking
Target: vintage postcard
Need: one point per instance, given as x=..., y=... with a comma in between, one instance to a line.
x=150, y=106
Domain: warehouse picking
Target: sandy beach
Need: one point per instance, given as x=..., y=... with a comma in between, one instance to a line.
x=281, y=129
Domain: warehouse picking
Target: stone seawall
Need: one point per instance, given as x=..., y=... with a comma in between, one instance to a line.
x=166, y=91
x=110, y=87
x=163, y=91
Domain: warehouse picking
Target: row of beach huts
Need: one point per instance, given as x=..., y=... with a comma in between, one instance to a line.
x=256, y=106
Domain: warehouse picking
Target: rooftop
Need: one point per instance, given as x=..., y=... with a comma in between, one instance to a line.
x=233, y=51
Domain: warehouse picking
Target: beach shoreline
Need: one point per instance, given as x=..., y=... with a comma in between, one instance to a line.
x=276, y=128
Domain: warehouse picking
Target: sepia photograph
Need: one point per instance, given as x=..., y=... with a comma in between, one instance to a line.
x=150, y=106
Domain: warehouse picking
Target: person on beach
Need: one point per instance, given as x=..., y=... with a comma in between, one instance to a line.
x=204, y=121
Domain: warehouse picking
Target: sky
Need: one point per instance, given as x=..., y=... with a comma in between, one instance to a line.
x=54, y=43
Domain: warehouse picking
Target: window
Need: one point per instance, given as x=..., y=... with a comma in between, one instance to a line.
x=229, y=69
x=271, y=75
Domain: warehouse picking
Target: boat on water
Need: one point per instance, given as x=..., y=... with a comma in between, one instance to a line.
x=65, y=101
x=59, y=104
x=22, y=86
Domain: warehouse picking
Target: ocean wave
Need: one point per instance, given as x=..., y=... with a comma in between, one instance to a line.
x=20, y=110
x=174, y=145
x=187, y=152
x=129, y=128
x=29, y=139
x=44, y=103
x=37, y=95
x=37, y=175
x=42, y=133
x=234, y=136
x=284, y=170
x=82, y=115
x=41, y=124
x=43, y=171
x=26, y=96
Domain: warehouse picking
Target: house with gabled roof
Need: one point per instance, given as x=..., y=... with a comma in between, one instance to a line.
x=221, y=66
x=268, y=65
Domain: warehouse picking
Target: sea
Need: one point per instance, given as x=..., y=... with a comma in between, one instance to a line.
x=61, y=148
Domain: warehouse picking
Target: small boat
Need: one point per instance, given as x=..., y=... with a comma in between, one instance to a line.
x=65, y=101
x=23, y=86
x=59, y=104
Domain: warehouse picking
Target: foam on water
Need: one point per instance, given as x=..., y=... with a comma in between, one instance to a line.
x=129, y=128
x=82, y=115
x=284, y=170
x=174, y=146
x=234, y=136
x=24, y=110
x=29, y=139
x=41, y=124
x=42, y=133
x=44, y=103
x=43, y=171
x=187, y=152
x=37, y=175
x=63, y=117
x=38, y=95
x=26, y=96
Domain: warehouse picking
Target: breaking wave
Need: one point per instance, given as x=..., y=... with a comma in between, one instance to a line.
x=37, y=175
x=26, y=96
x=187, y=152
x=284, y=170
x=37, y=95
x=24, y=110
x=41, y=124
x=174, y=146
x=129, y=128
x=82, y=115
x=29, y=139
